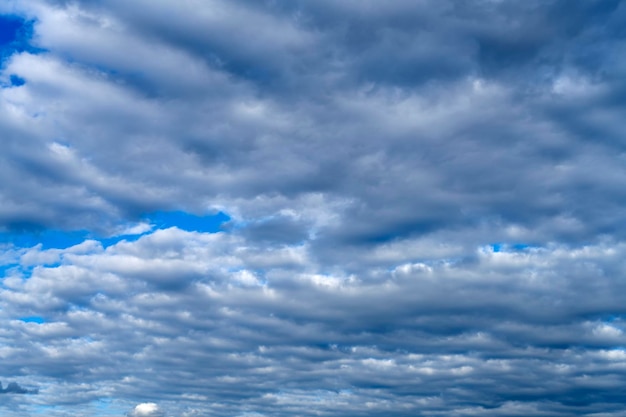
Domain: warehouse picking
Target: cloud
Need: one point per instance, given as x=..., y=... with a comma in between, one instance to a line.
x=146, y=410
x=363, y=208
x=15, y=388
x=494, y=331
x=443, y=145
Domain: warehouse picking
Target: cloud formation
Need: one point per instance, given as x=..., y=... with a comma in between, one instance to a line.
x=196, y=321
x=436, y=113
x=146, y=410
x=15, y=388
x=421, y=207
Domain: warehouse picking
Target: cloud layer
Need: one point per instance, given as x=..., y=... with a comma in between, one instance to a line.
x=423, y=207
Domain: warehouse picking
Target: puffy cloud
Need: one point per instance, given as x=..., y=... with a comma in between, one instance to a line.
x=505, y=327
x=424, y=207
x=146, y=410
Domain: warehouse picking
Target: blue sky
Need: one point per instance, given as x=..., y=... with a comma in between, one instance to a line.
x=9, y=32
x=49, y=238
x=313, y=208
x=15, y=34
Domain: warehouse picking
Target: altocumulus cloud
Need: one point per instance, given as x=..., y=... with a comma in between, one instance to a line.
x=335, y=208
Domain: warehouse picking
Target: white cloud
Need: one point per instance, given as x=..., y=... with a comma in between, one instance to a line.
x=146, y=410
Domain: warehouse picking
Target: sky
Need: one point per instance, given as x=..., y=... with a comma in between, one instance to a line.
x=270, y=208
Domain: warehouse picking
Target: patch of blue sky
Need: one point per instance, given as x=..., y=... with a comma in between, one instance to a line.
x=187, y=221
x=16, y=81
x=509, y=247
x=49, y=239
x=212, y=223
x=7, y=268
x=496, y=247
x=60, y=239
x=33, y=319
x=15, y=35
x=10, y=27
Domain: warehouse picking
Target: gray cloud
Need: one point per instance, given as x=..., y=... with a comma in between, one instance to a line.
x=15, y=388
x=499, y=331
x=426, y=208
x=443, y=153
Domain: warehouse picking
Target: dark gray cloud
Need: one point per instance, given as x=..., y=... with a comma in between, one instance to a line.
x=15, y=388
x=425, y=200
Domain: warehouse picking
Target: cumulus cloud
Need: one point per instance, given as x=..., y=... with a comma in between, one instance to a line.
x=422, y=207
x=146, y=410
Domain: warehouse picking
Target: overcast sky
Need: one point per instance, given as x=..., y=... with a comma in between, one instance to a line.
x=277, y=208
